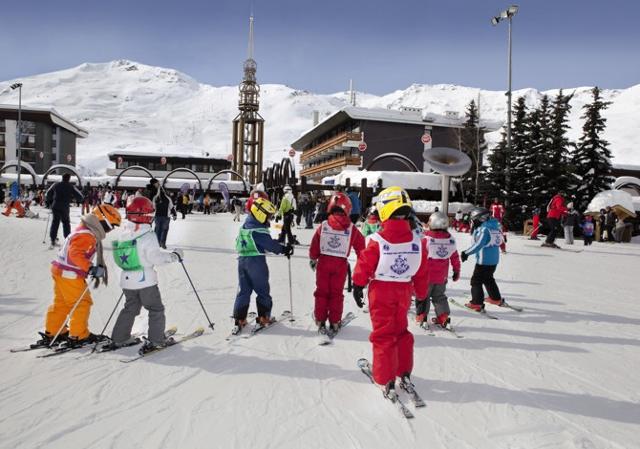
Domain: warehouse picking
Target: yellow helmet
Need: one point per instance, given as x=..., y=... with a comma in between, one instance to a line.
x=262, y=209
x=391, y=200
x=107, y=214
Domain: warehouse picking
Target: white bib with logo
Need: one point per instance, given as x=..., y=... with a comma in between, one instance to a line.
x=496, y=237
x=442, y=248
x=334, y=242
x=398, y=262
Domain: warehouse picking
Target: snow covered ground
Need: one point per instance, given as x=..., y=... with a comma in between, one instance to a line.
x=561, y=374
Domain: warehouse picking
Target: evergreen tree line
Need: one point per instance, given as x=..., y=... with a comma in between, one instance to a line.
x=543, y=161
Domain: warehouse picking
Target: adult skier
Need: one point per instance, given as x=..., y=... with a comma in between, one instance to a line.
x=286, y=211
x=59, y=197
x=163, y=207
x=394, y=265
x=330, y=247
x=355, y=203
x=555, y=211
x=136, y=252
x=69, y=271
x=253, y=273
x=487, y=238
x=441, y=249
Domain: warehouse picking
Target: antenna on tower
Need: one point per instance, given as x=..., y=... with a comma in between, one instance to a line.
x=250, y=49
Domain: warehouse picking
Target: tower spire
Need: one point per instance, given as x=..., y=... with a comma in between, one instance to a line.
x=250, y=48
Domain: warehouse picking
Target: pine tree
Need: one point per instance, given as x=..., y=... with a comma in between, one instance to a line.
x=558, y=174
x=492, y=176
x=592, y=158
x=517, y=194
x=537, y=160
x=474, y=145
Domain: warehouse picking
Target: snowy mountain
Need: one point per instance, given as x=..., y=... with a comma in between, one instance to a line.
x=135, y=107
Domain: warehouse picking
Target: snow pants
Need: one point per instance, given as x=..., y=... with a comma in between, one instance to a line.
x=435, y=294
x=331, y=273
x=553, y=223
x=392, y=342
x=17, y=205
x=65, y=294
x=568, y=235
x=150, y=298
x=253, y=276
x=162, y=229
x=59, y=216
x=483, y=277
x=285, y=233
x=536, y=227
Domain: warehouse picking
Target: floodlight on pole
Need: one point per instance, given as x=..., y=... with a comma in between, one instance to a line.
x=19, y=134
x=507, y=14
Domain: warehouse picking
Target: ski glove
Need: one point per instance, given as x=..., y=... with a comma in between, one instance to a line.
x=179, y=254
x=358, y=295
x=96, y=271
x=288, y=251
x=464, y=256
x=277, y=218
x=313, y=264
x=456, y=276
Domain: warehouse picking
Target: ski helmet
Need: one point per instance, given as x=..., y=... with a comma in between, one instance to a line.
x=286, y=188
x=108, y=216
x=393, y=201
x=262, y=209
x=438, y=220
x=341, y=202
x=140, y=210
x=479, y=215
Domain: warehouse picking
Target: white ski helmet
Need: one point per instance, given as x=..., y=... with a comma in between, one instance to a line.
x=286, y=188
x=438, y=220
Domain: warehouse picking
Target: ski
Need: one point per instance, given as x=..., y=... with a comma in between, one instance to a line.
x=235, y=332
x=331, y=334
x=414, y=397
x=29, y=348
x=509, y=306
x=482, y=313
x=260, y=327
x=137, y=340
x=64, y=349
x=365, y=367
x=423, y=325
x=197, y=333
x=437, y=328
x=558, y=248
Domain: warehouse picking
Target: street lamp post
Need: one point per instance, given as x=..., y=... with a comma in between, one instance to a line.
x=19, y=133
x=507, y=14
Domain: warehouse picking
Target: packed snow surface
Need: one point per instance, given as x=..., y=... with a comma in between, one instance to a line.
x=562, y=374
x=128, y=106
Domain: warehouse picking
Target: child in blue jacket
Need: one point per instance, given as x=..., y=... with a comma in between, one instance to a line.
x=487, y=237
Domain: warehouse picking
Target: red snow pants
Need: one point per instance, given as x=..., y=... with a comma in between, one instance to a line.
x=331, y=274
x=392, y=342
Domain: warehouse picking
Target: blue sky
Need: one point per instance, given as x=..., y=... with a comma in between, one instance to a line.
x=319, y=45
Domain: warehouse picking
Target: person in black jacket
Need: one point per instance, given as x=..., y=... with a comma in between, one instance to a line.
x=59, y=198
x=164, y=206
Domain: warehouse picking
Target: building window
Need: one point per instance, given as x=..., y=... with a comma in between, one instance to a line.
x=2, y=126
x=28, y=155
x=2, y=140
x=1, y=154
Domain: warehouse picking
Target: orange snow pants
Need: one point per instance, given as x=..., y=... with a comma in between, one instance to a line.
x=65, y=294
x=392, y=342
x=14, y=205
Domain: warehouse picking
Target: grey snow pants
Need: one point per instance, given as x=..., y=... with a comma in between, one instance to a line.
x=435, y=294
x=148, y=297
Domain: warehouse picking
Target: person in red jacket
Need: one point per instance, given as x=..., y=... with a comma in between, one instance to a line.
x=441, y=248
x=497, y=210
x=555, y=210
x=394, y=265
x=330, y=247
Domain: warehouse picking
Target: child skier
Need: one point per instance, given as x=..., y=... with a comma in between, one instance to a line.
x=588, y=230
x=394, y=264
x=253, y=273
x=441, y=248
x=70, y=270
x=330, y=247
x=136, y=252
x=372, y=224
x=487, y=237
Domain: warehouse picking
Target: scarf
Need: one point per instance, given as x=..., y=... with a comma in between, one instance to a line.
x=339, y=221
x=93, y=224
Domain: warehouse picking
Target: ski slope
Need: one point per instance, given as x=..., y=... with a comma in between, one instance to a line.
x=562, y=374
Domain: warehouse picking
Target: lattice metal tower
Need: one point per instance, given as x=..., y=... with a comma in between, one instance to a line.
x=248, y=126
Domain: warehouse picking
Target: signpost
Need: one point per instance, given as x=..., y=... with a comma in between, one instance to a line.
x=362, y=146
x=426, y=138
x=292, y=152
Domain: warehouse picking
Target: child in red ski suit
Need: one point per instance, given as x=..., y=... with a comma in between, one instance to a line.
x=330, y=247
x=394, y=264
x=441, y=248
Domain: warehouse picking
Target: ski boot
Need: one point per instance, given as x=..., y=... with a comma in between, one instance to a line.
x=475, y=307
x=46, y=340
x=421, y=312
x=405, y=382
x=149, y=346
x=113, y=346
x=238, y=326
x=441, y=320
x=75, y=342
x=335, y=327
x=495, y=302
x=389, y=390
x=264, y=321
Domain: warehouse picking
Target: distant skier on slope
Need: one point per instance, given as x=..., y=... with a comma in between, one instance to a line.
x=330, y=247
x=555, y=211
x=286, y=211
x=253, y=273
x=70, y=270
x=441, y=248
x=394, y=264
x=136, y=252
x=487, y=237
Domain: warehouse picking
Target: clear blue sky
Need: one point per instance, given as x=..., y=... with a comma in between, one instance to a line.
x=319, y=44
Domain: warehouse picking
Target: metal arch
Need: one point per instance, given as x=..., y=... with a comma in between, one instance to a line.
x=133, y=167
x=181, y=169
x=29, y=169
x=287, y=171
x=233, y=172
x=397, y=156
x=53, y=168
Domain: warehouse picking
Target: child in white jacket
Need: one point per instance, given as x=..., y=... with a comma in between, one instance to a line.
x=137, y=252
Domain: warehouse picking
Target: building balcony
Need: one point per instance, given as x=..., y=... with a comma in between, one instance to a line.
x=332, y=165
x=335, y=145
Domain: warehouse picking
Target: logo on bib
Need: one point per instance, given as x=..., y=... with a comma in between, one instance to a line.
x=334, y=242
x=386, y=247
x=442, y=251
x=400, y=265
x=414, y=247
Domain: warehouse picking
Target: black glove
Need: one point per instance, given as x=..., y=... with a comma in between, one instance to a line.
x=288, y=251
x=277, y=218
x=313, y=264
x=456, y=276
x=464, y=256
x=96, y=271
x=358, y=295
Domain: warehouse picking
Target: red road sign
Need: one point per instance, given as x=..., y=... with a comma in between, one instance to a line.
x=426, y=138
x=163, y=160
x=292, y=152
x=362, y=146
x=230, y=157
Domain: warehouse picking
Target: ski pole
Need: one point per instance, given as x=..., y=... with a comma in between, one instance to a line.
x=73, y=309
x=46, y=228
x=107, y=323
x=290, y=292
x=194, y=291
x=349, y=282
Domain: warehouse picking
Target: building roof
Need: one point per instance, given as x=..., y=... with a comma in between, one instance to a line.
x=114, y=154
x=406, y=116
x=49, y=115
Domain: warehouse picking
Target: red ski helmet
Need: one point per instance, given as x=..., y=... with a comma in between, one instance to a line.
x=140, y=210
x=341, y=202
x=254, y=195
